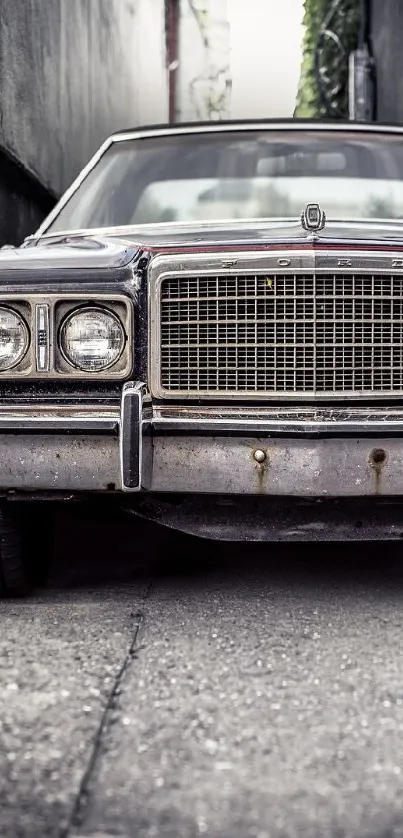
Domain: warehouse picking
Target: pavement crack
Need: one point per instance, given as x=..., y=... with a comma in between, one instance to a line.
x=77, y=815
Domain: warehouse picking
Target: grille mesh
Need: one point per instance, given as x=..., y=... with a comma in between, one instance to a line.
x=319, y=334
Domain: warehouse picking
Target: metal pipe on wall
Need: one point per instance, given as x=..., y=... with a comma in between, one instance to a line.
x=172, y=56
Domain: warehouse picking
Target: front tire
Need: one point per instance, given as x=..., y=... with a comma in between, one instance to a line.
x=13, y=576
x=24, y=562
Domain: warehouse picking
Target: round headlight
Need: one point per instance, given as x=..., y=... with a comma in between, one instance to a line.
x=92, y=339
x=14, y=338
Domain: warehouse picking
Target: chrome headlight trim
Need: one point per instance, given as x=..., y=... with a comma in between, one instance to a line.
x=86, y=309
x=43, y=314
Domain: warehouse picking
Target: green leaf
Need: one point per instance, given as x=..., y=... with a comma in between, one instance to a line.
x=345, y=25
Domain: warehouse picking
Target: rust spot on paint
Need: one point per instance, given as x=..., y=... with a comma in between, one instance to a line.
x=377, y=460
x=378, y=456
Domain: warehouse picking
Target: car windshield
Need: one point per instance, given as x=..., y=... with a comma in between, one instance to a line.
x=234, y=175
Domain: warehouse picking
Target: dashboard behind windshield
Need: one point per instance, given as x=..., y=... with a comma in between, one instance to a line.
x=235, y=175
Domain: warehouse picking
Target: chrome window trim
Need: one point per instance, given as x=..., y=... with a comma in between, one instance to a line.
x=233, y=263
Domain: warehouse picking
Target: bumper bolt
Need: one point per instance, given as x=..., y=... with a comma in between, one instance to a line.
x=259, y=455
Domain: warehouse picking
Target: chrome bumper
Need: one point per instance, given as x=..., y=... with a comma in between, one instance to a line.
x=303, y=452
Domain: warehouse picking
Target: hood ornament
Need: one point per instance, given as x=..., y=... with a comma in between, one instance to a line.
x=313, y=218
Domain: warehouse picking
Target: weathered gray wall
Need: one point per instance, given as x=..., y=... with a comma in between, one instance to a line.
x=203, y=90
x=71, y=72
x=387, y=38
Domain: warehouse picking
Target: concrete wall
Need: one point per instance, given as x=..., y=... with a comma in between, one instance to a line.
x=72, y=72
x=203, y=75
x=238, y=58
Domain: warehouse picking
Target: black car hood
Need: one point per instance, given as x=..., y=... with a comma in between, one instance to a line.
x=266, y=233
x=117, y=247
x=363, y=234
x=206, y=234
x=77, y=252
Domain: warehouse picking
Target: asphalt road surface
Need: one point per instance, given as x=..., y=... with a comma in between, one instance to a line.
x=162, y=686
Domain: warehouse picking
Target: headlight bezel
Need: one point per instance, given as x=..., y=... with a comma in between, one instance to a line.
x=75, y=312
x=58, y=305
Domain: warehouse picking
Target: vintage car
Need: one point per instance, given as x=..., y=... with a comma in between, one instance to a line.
x=209, y=328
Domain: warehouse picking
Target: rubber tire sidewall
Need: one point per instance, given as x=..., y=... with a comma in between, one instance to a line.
x=13, y=573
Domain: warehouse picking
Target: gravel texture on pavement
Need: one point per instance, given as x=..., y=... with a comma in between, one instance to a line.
x=59, y=660
x=233, y=692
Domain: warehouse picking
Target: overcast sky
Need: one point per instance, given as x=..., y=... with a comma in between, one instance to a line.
x=266, y=39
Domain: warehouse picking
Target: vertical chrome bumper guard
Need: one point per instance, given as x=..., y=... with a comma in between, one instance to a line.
x=135, y=439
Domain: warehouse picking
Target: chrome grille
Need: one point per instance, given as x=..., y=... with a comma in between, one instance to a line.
x=313, y=334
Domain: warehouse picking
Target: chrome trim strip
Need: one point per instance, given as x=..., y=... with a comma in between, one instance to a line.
x=167, y=419
x=277, y=420
x=135, y=439
x=282, y=421
x=275, y=427
x=42, y=337
x=30, y=425
x=59, y=420
x=217, y=127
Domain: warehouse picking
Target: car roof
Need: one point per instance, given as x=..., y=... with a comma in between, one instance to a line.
x=270, y=123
